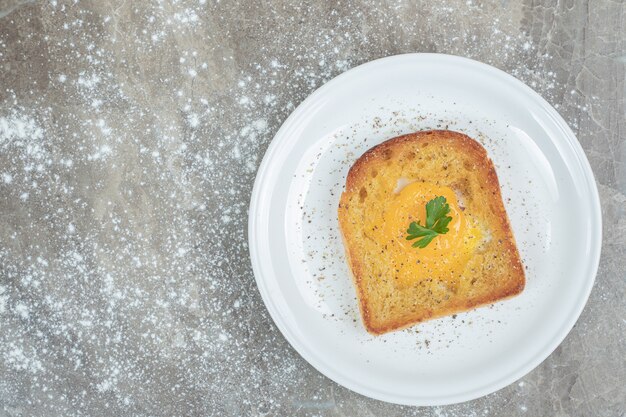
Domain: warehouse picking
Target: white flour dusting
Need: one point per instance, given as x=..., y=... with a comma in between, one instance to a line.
x=126, y=165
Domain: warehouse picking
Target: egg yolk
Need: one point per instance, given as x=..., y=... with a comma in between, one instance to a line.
x=445, y=257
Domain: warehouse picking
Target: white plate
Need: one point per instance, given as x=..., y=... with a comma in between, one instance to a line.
x=298, y=257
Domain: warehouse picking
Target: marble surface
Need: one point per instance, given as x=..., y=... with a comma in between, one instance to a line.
x=130, y=134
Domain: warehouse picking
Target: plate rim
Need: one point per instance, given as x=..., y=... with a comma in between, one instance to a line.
x=257, y=197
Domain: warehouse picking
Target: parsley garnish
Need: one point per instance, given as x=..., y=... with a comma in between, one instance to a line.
x=436, y=223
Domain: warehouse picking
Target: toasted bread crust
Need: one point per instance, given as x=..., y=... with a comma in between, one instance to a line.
x=484, y=168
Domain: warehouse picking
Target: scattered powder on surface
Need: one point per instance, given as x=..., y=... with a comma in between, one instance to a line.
x=130, y=134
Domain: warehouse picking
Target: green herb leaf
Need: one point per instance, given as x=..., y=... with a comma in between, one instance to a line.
x=437, y=222
x=436, y=209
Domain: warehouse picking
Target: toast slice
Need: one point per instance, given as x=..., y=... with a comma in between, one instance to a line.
x=399, y=285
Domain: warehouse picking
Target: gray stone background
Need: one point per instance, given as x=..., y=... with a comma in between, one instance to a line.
x=130, y=134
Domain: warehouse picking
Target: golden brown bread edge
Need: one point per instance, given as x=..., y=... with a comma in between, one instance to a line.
x=466, y=145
